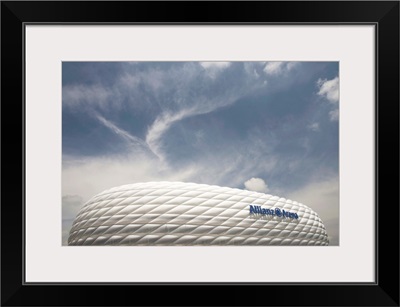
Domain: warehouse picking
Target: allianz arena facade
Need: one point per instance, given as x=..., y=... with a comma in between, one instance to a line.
x=177, y=213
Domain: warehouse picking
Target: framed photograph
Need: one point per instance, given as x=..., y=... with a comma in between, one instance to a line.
x=247, y=147
x=196, y=142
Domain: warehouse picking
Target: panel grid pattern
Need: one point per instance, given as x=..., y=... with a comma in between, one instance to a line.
x=177, y=213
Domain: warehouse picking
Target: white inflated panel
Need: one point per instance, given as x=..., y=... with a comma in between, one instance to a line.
x=177, y=213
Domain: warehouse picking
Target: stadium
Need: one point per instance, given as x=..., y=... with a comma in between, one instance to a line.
x=186, y=214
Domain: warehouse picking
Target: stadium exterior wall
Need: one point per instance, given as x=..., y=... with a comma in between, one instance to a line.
x=176, y=213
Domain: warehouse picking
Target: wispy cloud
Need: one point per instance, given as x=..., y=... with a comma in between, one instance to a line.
x=87, y=96
x=165, y=120
x=169, y=95
x=194, y=101
x=130, y=139
x=160, y=126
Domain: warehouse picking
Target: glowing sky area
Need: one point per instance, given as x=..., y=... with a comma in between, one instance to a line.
x=270, y=127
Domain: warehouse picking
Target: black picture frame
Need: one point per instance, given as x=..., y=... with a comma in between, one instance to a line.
x=383, y=14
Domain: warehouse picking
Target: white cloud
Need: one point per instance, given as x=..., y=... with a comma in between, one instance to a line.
x=314, y=127
x=215, y=65
x=334, y=115
x=256, y=184
x=329, y=89
x=213, y=69
x=292, y=65
x=277, y=68
x=274, y=68
x=253, y=69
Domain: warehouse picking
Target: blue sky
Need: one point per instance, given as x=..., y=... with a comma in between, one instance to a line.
x=265, y=126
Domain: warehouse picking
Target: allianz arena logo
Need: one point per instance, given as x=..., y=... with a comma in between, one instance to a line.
x=273, y=212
